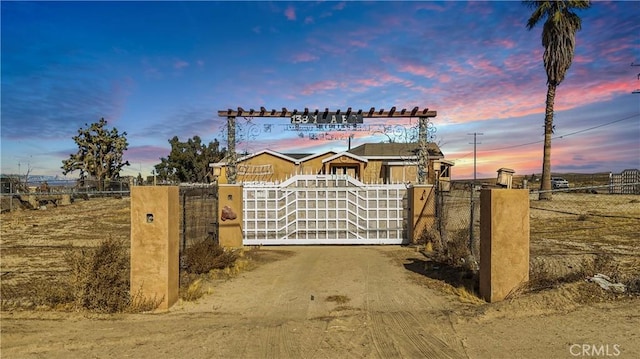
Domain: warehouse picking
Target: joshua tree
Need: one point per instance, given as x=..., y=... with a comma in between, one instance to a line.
x=559, y=42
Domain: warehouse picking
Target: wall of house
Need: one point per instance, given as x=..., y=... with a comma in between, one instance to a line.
x=314, y=165
x=403, y=174
x=281, y=169
x=373, y=172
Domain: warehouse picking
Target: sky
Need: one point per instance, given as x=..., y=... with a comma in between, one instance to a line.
x=156, y=70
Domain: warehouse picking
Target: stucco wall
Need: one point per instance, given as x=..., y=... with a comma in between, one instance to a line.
x=504, y=241
x=373, y=172
x=155, y=221
x=314, y=165
x=230, y=215
x=422, y=210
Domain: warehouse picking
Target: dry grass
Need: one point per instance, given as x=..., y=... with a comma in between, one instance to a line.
x=205, y=256
x=567, y=233
x=223, y=265
x=100, y=277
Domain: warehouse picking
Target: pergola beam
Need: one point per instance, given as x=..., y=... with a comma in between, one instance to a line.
x=372, y=113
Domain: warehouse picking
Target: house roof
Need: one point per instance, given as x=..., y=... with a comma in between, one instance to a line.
x=394, y=150
x=346, y=154
x=364, y=152
x=314, y=155
x=292, y=157
x=244, y=158
x=298, y=156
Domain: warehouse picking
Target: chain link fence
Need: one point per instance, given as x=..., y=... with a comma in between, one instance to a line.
x=576, y=226
x=16, y=193
x=458, y=224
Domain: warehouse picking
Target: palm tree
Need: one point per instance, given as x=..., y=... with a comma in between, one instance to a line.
x=559, y=42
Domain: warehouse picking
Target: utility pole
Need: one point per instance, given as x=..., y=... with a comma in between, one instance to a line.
x=638, y=90
x=473, y=189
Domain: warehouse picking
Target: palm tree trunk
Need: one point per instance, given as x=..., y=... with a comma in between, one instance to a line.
x=548, y=132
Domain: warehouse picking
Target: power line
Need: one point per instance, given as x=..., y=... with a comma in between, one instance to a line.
x=556, y=137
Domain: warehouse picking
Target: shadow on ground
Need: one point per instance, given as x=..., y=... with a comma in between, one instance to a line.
x=456, y=276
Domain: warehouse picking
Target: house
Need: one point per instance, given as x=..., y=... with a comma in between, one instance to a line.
x=369, y=163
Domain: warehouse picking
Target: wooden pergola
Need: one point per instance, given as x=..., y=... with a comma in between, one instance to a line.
x=372, y=113
x=422, y=114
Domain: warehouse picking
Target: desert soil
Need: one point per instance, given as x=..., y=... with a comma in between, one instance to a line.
x=284, y=309
x=305, y=302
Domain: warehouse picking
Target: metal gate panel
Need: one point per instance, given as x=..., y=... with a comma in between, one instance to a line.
x=324, y=209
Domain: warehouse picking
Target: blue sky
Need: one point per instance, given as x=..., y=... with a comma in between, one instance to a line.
x=163, y=69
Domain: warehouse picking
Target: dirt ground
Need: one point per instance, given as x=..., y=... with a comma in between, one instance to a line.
x=306, y=302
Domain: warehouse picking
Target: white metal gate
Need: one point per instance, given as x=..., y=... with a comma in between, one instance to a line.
x=324, y=209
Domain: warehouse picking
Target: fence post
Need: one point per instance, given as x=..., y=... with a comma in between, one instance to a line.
x=504, y=242
x=154, y=244
x=230, y=215
x=183, y=198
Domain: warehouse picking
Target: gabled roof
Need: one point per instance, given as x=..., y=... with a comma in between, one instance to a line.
x=310, y=156
x=296, y=158
x=394, y=150
x=347, y=154
x=244, y=158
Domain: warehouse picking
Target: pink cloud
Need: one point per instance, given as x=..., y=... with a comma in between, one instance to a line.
x=382, y=79
x=290, y=13
x=582, y=60
x=522, y=63
x=505, y=43
x=430, y=6
x=321, y=86
x=444, y=78
x=485, y=66
x=358, y=43
x=418, y=70
x=180, y=64
x=574, y=94
x=304, y=57
x=339, y=6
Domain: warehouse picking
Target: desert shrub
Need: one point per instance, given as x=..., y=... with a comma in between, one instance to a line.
x=542, y=276
x=455, y=251
x=100, y=277
x=139, y=303
x=606, y=264
x=428, y=236
x=633, y=285
x=204, y=256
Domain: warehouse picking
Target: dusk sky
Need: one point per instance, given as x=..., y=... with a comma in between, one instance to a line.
x=163, y=69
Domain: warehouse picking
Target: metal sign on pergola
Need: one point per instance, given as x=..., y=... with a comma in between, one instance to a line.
x=337, y=117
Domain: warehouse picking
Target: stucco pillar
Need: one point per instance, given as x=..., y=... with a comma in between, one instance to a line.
x=155, y=222
x=230, y=209
x=422, y=210
x=504, y=241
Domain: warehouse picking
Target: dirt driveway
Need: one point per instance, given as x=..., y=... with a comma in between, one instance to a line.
x=328, y=302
